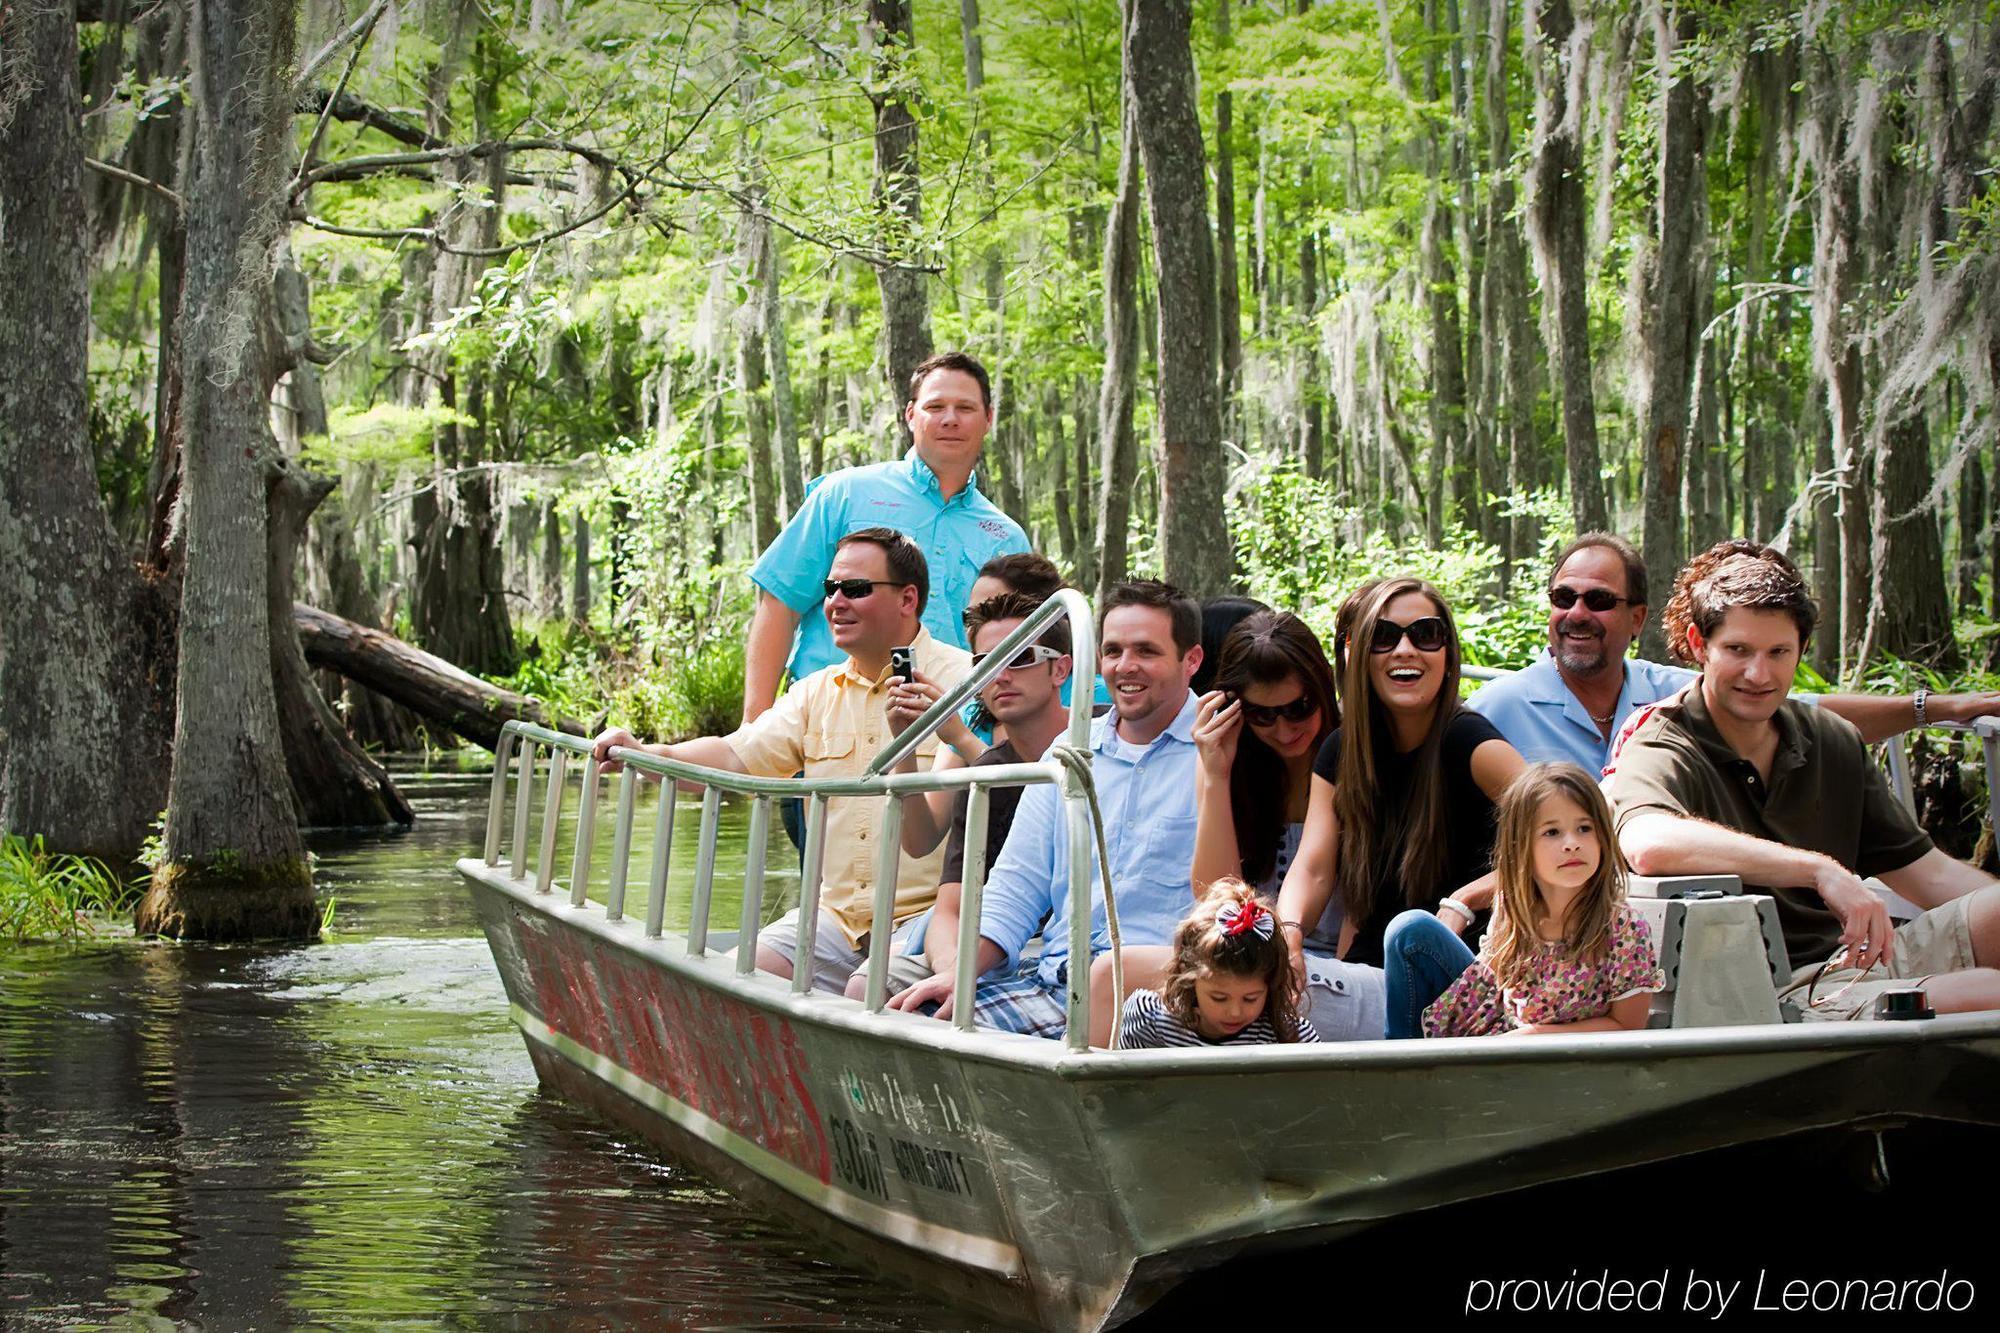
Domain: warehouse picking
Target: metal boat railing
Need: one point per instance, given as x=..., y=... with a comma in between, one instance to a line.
x=521, y=744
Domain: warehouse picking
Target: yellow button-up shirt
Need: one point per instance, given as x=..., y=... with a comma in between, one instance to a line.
x=830, y=724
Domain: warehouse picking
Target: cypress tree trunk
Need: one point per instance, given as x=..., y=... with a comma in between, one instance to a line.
x=1229, y=285
x=1085, y=555
x=1447, y=405
x=1117, y=449
x=1913, y=606
x=1194, y=548
x=458, y=602
x=1837, y=360
x=1462, y=468
x=234, y=866
x=83, y=739
x=1555, y=223
x=333, y=781
x=777, y=349
x=753, y=271
x=1971, y=520
x=906, y=325
x=1672, y=308
x=549, y=583
x=579, y=594
x=1826, y=540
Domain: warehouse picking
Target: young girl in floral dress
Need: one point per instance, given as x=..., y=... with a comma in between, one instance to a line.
x=1230, y=982
x=1564, y=953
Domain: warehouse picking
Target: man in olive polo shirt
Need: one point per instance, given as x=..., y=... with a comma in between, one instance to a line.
x=1731, y=777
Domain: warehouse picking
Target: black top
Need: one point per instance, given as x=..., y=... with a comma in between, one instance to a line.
x=1000, y=804
x=1468, y=827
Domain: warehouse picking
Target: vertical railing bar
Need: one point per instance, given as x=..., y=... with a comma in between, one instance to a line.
x=1082, y=855
x=524, y=778
x=704, y=873
x=1899, y=773
x=1989, y=741
x=753, y=896
x=663, y=859
x=972, y=891
x=621, y=845
x=882, y=917
x=545, y=856
x=496, y=802
x=809, y=875
x=586, y=834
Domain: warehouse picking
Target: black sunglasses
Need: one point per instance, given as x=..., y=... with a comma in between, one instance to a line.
x=1027, y=657
x=856, y=589
x=1427, y=635
x=1562, y=597
x=1268, y=715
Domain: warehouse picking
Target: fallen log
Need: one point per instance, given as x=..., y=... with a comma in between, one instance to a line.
x=428, y=686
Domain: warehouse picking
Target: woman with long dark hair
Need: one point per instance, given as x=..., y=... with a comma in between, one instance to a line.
x=1257, y=735
x=1402, y=806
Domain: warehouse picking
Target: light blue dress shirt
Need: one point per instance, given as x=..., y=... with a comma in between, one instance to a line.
x=957, y=536
x=1149, y=817
x=1539, y=716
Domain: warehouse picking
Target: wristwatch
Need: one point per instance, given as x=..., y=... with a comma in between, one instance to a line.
x=1923, y=712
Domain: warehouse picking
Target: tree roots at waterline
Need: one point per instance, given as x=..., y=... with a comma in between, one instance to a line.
x=230, y=904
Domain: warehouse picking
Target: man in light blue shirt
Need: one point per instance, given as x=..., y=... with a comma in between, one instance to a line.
x=1573, y=702
x=930, y=495
x=1143, y=764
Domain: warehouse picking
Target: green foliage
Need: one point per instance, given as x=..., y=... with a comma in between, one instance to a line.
x=664, y=695
x=1297, y=545
x=48, y=896
x=388, y=434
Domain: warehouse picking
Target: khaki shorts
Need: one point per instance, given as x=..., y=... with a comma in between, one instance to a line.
x=834, y=959
x=1939, y=941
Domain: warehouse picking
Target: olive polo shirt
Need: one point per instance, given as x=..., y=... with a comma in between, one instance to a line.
x=1824, y=795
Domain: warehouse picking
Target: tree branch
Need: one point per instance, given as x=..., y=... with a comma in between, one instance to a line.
x=354, y=33
x=351, y=109
x=432, y=235
x=134, y=178
x=354, y=168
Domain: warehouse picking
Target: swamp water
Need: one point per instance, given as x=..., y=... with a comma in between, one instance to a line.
x=351, y=1133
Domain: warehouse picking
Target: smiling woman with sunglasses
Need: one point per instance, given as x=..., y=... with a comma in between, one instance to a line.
x=1402, y=805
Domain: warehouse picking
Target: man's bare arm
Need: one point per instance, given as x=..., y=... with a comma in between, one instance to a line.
x=1881, y=716
x=1934, y=879
x=1658, y=843
x=772, y=625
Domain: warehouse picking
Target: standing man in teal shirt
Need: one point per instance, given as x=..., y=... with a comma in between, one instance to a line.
x=930, y=495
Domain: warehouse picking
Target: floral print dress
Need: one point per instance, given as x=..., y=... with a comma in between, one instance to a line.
x=1562, y=989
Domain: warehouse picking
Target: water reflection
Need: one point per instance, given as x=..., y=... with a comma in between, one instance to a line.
x=353, y=1133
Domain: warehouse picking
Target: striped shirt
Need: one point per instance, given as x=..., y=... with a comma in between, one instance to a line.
x=1147, y=1022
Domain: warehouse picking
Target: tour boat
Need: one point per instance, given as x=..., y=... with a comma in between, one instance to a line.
x=1048, y=1184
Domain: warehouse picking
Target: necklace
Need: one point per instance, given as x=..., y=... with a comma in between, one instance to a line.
x=1604, y=721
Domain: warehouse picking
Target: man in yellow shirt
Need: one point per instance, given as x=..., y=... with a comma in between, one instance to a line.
x=830, y=724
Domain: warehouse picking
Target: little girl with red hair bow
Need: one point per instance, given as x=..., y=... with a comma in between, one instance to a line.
x=1230, y=983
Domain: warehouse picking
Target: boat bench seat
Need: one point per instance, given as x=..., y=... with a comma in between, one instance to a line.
x=1721, y=949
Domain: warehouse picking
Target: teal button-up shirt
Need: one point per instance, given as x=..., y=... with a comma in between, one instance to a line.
x=957, y=537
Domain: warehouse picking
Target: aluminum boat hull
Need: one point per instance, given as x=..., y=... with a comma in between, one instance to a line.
x=1070, y=1190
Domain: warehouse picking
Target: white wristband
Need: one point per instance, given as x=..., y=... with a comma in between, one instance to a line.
x=1461, y=908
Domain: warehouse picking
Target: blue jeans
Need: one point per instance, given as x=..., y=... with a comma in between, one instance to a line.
x=1421, y=957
